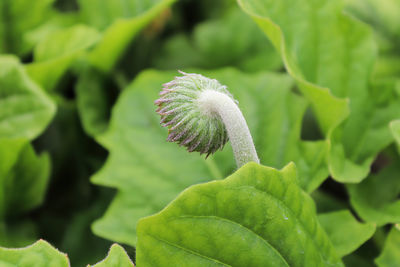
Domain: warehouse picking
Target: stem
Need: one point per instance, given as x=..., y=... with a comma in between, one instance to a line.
x=214, y=103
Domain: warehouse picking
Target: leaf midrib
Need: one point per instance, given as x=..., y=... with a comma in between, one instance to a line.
x=187, y=250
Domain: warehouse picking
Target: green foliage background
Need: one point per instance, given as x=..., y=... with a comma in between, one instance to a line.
x=84, y=162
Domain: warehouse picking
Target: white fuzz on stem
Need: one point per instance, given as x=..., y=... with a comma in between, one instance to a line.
x=214, y=103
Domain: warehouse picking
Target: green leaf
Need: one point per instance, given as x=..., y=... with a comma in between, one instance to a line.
x=124, y=20
x=40, y=254
x=23, y=177
x=395, y=128
x=376, y=198
x=303, y=36
x=381, y=14
x=382, y=17
x=390, y=255
x=295, y=41
x=258, y=216
x=18, y=233
x=53, y=24
x=234, y=40
x=116, y=257
x=141, y=162
x=77, y=234
x=93, y=90
x=17, y=17
x=26, y=109
x=345, y=232
x=178, y=52
x=229, y=40
x=55, y=53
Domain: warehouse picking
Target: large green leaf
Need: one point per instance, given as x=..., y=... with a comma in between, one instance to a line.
x=122, y=20
x=40, y=254
x=141, y=162
x=23, y=177
x=390, y=256
x=17, y=17
x=324, y=48
x=376, y=198
x=55, y=53
x=25, y=109
x=258, y=216
x=345, y=232
x=116, y=257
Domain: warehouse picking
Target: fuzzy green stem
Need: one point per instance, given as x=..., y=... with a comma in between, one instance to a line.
x=214, y=103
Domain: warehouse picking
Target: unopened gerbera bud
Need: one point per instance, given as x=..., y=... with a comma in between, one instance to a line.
x=187, y=123
x=202, y=115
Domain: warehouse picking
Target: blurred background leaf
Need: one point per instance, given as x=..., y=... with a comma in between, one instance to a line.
x=18, y=17
x=345, y=232
x=57, y=51
x=390, y=254
x=376, y=198
x=26, y=109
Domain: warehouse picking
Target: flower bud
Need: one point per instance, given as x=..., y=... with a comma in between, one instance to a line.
x=189, y=123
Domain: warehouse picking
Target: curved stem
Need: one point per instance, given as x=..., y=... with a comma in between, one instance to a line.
x=214, y=103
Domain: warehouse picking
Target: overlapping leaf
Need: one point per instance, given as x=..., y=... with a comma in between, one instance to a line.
x=231, y=39
x=121, y=21
x=381, y=15
x=345, y=232
x=17, y=17
x=25, y=109
x=120, y=26
x=116, y=257
x=376, y=198
x=258, y=216
x=18, y=234
x=23, y=177
x=23, y=182
x=150, y=172
x=40, y=254
x=390, y=255
x=93, y=99
x=55, y=53
x=59, y=48
x=324, y=48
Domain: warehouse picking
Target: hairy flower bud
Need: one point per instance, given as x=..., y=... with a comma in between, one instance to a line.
x=202, y=115
x=188, y=123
